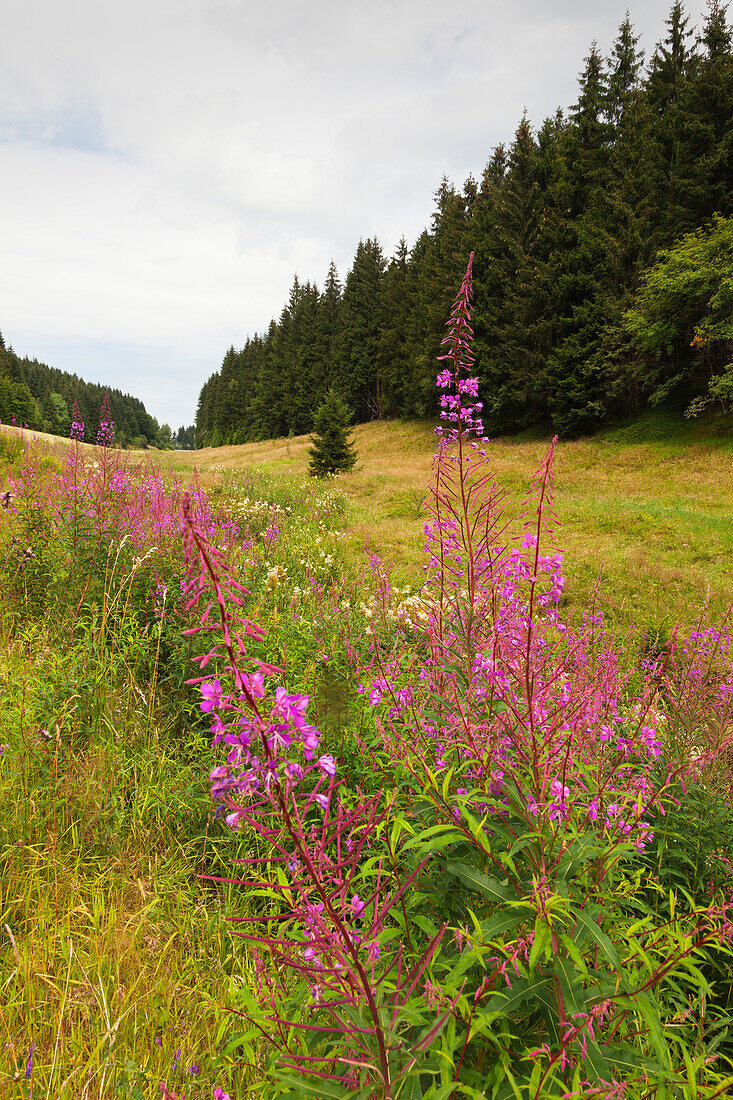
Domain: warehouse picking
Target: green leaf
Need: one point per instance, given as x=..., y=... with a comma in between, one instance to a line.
x=311, y=1086
x=574, y=953
x=647, y=1007
x=489, y=888
x=584, y=920
x=542, y=936
x=502, y=922
x=522, y=990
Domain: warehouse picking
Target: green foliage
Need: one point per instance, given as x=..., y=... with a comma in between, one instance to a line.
x=563, y=222
x=683, y=318
x=42, y=397
x=332, y=451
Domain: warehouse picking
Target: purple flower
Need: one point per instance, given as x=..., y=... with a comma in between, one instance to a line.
x=327, y=764
x=255, y=684
x=310, y=737
x=29, y=1063
x=355, y=907
x=213, y=696
x=279, y=738
x=290, y=707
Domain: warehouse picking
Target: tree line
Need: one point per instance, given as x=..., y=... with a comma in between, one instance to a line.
x=568, y=224
x=42, y=398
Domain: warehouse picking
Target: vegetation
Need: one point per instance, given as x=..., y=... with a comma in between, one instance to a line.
x=469, y=845
x=332, y=452
x=42, y=398
x=684, y=312
x=566, y=222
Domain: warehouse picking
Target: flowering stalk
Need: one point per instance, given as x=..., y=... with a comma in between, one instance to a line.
x=77, y=424
x=519, y=732
x=106, y=430
x=319, y=875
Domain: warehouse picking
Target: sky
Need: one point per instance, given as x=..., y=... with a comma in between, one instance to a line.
x=167, y=166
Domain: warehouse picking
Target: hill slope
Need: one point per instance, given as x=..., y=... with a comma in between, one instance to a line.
x=644, y=508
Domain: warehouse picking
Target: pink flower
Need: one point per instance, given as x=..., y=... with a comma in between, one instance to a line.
x=327, y=764
x=213, y=696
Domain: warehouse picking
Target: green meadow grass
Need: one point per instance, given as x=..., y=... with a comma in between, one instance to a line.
x=114, y=952
x=645, y=509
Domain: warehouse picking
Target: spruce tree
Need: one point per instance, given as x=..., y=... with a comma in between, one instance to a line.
x=396, y=304
x=358, y=347
x=332, y=451
x=706, y=159
x=672, y=63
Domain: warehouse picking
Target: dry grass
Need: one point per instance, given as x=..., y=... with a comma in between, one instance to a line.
x=645, y=525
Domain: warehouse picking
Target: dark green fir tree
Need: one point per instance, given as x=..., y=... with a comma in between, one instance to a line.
x=332, y=451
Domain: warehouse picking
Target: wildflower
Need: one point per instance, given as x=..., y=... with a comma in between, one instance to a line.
x=213, y=696
x=106, y=431
x=327, y=764
x=29, y=1063
x=355, y=907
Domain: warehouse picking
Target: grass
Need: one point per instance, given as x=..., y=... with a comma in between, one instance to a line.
x=651, y=499
x=114, y=954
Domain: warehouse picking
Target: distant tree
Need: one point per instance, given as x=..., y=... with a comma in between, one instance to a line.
x=165, y=437
x=673, y=61
x=186, y=438
x=358, y=345
x=332, y=451
x=624, y=68
x=61, y=418
x=705, y=174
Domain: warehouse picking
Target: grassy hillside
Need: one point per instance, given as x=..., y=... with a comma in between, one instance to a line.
x=644, y=508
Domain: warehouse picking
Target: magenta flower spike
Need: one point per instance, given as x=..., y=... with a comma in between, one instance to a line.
x=106, y=430
x=77, y=424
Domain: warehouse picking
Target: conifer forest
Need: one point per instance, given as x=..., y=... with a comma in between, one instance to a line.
x=569, y=221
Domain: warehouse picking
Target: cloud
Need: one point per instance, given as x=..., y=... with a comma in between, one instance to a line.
x=168, y=165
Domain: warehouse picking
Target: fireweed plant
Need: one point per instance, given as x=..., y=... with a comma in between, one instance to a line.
x=100, y=782
x=482, y=926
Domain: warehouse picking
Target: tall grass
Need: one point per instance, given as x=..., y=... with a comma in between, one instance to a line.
x=481, y=888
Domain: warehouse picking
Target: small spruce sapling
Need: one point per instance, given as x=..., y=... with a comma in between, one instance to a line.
x=332, y=451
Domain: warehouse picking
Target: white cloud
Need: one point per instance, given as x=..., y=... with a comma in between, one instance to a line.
x=167, y=165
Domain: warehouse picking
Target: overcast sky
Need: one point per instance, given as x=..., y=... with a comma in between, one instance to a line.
x=166, y=166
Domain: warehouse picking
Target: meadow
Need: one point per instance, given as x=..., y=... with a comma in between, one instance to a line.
x=644, y=508
x=472, y=832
